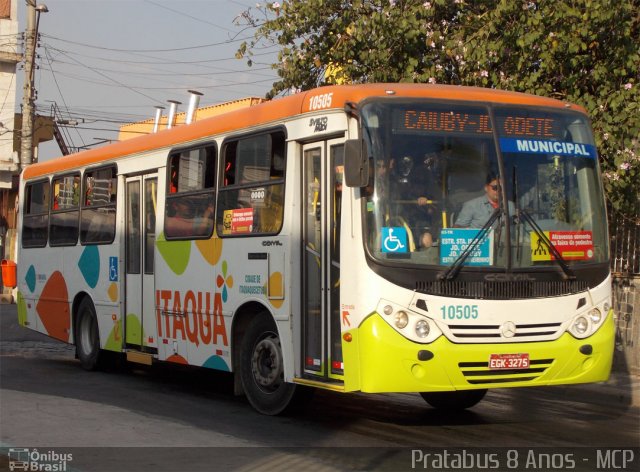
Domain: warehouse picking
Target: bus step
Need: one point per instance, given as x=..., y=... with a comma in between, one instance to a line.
x=336, y=387
x=139, y=357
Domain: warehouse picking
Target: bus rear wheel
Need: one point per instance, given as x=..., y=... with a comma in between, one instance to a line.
x=457, y=400
x=87, y=336
x=262, y=369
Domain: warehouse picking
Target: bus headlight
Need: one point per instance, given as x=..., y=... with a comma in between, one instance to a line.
x=402, y=319
x=595, y=315
x=589, y=321
x=422, y=328
x=580, y=327
x=412, y=325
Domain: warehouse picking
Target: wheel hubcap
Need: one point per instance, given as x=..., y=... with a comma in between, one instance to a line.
x=266, y=363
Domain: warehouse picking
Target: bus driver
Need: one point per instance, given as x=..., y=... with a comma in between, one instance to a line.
x=476, y=212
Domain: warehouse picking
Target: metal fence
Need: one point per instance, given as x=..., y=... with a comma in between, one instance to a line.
x=624, y=234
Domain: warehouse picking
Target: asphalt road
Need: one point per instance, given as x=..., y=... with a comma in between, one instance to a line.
x=170, y=418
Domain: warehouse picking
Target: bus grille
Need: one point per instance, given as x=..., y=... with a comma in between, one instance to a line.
x=478, y=373
x=502, y=290
x=468, y=333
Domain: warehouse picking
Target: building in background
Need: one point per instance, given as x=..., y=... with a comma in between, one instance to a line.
x=134, y=130
x=10, y=56
x=11, y=125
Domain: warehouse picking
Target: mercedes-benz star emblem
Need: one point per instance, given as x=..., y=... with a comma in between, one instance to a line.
x=508, y=329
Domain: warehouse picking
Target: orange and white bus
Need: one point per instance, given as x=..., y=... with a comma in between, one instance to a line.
x=326, y=240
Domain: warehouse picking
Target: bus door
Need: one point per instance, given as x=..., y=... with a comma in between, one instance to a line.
x=140, y=231
x=322, y=194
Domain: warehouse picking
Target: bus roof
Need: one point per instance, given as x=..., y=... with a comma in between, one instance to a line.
x=280, y=109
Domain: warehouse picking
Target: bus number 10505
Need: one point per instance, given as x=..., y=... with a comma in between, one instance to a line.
x=459, y=312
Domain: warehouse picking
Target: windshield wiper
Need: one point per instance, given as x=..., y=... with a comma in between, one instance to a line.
x=568, y=272
x=452, y=272
x=514, y=185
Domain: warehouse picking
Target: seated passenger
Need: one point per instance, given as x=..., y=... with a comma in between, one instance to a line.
x=182, y=219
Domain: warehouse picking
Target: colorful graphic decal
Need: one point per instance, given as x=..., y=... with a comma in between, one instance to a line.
x=211, y=249
x=30, y=278
x=178, y=359
x=276, y=289
x=216, y=362
x=89, y=265
x=224, y=281
x=133, y=329
x=112, y=291
x=114, y=341
x=53, y=307
x=22, y=310
x=572, y=245
x=175, y=253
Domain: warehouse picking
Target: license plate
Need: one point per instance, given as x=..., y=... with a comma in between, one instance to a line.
x=509, y=361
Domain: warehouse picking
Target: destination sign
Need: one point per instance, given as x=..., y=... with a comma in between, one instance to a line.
x=463, y=122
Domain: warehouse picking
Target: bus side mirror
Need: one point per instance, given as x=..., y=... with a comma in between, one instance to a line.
x=356, y=164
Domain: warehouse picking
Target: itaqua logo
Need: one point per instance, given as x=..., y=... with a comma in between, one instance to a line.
x=38, y=461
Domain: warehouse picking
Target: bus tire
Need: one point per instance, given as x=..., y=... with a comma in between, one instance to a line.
x=87, y=336
x=262, y=368
x=456, y=400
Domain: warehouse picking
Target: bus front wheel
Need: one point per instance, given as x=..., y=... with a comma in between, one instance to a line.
x=457, y=400
x=262, y=369
x=87, y=336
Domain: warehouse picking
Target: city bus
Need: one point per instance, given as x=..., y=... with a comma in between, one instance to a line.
x=316, y=241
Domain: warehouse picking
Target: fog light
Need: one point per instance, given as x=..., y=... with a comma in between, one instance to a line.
x=422, y=328
x=388, y=309
x=402, y=319
x=595, y=315
x=581, y=325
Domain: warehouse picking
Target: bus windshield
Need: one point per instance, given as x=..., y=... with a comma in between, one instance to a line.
x=509, y=182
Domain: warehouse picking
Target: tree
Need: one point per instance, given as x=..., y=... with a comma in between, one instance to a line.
x=583, y=51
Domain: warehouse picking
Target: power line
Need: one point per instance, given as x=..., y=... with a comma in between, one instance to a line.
x=189, y=16
x=153, y=72
x=159, y=61
x=186, y=48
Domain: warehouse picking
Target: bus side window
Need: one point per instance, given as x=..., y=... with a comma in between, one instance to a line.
x=35, y=222
x=251, y=198
x=189, y=209
x=98, y=214
x=65, y=210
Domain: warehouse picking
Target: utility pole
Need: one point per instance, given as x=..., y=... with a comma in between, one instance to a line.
x=28, y=96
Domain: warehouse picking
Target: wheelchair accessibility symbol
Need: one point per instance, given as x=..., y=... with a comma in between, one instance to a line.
x=394, y=239
x=113, y=269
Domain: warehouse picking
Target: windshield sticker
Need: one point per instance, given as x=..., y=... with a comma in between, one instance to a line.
x=453, y=242
x=572, y=245
x=539, y=146
x=394, y=239
x=237, y=221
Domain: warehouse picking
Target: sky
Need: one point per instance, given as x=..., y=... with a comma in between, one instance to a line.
x=104, y=63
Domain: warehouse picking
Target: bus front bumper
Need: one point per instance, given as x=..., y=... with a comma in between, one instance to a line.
x=378, y=359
